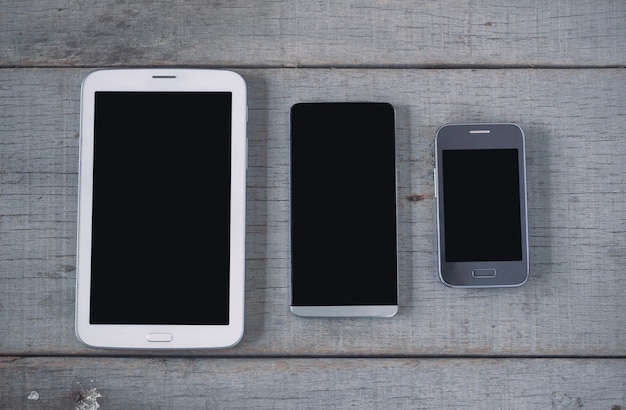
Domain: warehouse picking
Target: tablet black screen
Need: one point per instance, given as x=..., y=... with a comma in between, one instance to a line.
x=161, y=208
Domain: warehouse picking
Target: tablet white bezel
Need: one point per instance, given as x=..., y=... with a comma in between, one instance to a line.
x=182, y=336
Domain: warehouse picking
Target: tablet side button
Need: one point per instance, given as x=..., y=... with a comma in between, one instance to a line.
x=159, y=337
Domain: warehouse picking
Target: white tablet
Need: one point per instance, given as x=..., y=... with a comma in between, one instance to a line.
x=161, y=222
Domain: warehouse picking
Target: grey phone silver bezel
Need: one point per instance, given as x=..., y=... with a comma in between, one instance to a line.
x=481, y=136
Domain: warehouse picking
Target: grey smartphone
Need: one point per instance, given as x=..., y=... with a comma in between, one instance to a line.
x=480, y=184
x=343, y=210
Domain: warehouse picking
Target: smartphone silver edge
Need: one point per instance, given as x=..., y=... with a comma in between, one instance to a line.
x=345, y=311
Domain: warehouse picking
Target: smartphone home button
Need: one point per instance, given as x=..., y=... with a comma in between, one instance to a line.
x=484, y=273
x=159, y=337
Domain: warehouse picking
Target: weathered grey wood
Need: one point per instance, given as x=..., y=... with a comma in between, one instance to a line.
x=572, y=306
x=313, y=383
x=312, y=33
x=573, y=303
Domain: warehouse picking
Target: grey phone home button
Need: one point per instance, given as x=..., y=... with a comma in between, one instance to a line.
x=484, y=273
x=159, y=337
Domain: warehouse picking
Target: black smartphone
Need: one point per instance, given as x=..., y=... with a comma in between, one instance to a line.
x=480, y=183
x=343, y=210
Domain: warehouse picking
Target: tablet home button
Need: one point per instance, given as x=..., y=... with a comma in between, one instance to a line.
x=159, y=337
x=484, y=273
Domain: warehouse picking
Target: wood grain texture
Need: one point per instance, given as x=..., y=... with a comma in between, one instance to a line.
x=313, y=33
x=433, y=354
x=313, y=383
x=572, y=305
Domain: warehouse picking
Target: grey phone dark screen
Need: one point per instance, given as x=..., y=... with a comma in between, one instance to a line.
x=482, y=205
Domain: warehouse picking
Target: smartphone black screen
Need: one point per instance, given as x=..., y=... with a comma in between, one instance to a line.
x=343, y=204
x=161, y=208
x=482, y=205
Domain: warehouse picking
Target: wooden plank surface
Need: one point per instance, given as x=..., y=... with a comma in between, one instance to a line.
x=313, y=33
x=561, y=384
x=558, y=342
x=572, y=305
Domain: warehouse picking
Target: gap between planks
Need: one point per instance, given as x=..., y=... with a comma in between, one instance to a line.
x=338, y=66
